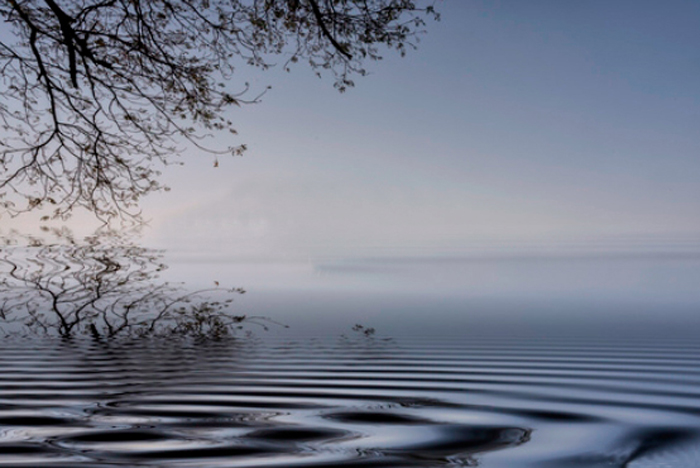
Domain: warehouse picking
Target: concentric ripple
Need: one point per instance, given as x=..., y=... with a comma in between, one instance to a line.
x=364, y=402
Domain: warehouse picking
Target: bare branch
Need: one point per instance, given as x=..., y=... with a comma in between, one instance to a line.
x=97, y=95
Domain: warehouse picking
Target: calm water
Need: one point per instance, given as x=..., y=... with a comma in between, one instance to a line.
x=350, y=401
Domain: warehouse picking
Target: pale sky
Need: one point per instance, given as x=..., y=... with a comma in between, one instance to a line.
x=515, y=121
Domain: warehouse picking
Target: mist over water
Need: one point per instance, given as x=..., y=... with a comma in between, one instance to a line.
x=623, y=291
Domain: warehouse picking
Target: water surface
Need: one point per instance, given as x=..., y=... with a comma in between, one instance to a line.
x=349, y=401
x=525, y=361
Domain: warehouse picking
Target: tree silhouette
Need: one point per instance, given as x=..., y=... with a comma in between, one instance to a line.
x=96, y=93
x=106, y=286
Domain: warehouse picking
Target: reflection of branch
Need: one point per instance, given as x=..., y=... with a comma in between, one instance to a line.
x=105, y=286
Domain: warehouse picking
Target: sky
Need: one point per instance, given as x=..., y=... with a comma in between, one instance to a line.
x=515, y=123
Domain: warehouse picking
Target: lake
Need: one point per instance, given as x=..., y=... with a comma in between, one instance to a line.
x=498, y=361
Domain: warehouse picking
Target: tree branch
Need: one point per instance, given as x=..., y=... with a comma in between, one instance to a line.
x=319, y=20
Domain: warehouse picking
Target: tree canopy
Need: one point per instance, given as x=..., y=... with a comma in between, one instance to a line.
x=97, y=95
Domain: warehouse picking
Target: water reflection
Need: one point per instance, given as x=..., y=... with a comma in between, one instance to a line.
x=104, y=285
x=359, y=399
